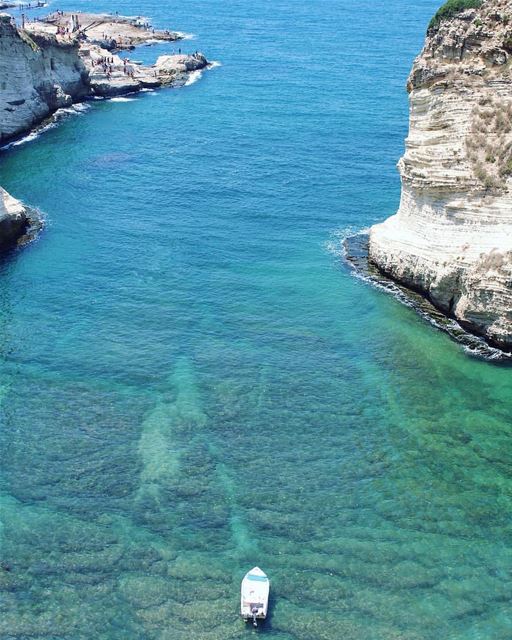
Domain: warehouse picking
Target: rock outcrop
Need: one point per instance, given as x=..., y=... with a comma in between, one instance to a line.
x=16, y=221
x=47, y=66
x=176, y=68
x=38, y=75
x=452, y=236
x=113, y=32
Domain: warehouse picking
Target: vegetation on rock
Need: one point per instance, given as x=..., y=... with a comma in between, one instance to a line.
x=489, y=143
x=451, y=9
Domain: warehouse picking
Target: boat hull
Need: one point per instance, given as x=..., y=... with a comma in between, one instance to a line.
x=255, y=592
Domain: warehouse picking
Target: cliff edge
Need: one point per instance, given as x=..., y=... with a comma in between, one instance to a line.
x=17, y=222
x=38, y=75
x=451, y=238
x=63, y=59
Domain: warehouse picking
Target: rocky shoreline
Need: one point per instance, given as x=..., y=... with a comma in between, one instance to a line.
x=356, y=255
x=68, y=58
x=18, y=223
x=451, y=239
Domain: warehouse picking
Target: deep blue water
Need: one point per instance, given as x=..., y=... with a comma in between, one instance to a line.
x=192, y=382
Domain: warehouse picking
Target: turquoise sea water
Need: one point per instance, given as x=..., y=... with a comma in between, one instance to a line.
x=192, y=383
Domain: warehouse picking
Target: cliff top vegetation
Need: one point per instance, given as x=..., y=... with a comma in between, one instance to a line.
x=451, y=9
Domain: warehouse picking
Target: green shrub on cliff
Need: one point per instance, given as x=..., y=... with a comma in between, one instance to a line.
x=452, y=8
x=28, y=40
x=507, y=44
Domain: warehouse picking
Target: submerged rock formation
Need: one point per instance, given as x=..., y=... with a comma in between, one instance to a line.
x=452, y=236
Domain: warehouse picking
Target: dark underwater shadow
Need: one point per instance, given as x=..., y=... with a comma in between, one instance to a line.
x=264, y=626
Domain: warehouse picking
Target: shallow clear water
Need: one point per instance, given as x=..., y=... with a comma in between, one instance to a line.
x=192, y=383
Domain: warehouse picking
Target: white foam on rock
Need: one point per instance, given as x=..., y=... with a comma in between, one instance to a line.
x=193, y=77
x=121, y=99
x=74, y=110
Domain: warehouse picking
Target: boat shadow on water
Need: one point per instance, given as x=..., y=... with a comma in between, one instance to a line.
x=264, y=626
x=355, y=253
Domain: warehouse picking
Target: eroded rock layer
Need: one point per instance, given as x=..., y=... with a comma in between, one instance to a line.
x=38, y=75
x=48, y=65
x=16, y=221
x=452, y=236
x=43, y=68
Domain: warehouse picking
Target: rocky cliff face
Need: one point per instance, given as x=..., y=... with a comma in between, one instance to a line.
x=16, y=221
x=37, y=76
x=42, y=70
x=452, y=236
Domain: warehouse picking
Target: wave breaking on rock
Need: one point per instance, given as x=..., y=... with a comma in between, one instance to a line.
x=354, y=250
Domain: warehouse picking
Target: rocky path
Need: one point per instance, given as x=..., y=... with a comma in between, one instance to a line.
x=112, y=32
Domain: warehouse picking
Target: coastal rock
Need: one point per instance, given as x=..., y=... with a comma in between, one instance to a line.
x=175, y=68
x=180, y=63
x=49, y=65
x=119, y=78
x=63, y=59
x=15, y=220
x=117, y=32
x=38, y=75
x=123, y=76
x=451, y=238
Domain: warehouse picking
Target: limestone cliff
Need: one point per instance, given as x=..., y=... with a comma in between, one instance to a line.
x=16, y=221
x=452, y=236
x=38, y=75
x=44, y=67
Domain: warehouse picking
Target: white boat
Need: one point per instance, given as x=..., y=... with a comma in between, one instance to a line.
x=255, y=592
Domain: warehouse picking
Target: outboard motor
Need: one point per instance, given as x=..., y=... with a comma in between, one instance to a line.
x=254, y=612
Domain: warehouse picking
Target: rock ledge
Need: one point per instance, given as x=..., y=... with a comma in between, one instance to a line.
x=451, y=238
